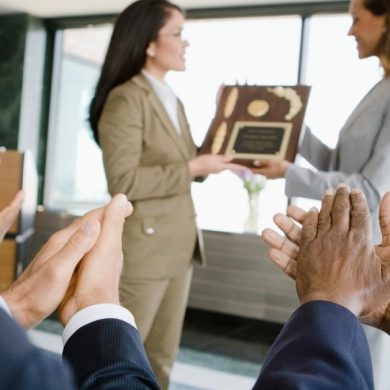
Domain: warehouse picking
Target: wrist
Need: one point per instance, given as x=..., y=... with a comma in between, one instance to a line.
x=350, y=304
x=17, y=311
x=95, y=313
x=379, y=320
x=193, y=169
x=285, y=165
x=384, y=327
x=74, y=305
x=98, y=301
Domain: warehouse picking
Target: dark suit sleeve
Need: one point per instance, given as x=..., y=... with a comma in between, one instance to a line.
x=109, y=354
x=322, y=346
x=24, y=366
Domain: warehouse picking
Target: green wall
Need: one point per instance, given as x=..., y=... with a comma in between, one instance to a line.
x=25, y=76
x=13, y=30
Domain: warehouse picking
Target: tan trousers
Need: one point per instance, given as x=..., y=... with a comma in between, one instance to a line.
x=158, y=307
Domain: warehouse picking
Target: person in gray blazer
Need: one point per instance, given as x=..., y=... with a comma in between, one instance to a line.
x=150, y=156
x=361, y=157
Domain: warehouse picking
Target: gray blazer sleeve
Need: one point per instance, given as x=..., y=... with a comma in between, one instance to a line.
x=306, y=183
x=315, y=151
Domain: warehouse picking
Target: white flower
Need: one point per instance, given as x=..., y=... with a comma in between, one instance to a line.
x=253, y=183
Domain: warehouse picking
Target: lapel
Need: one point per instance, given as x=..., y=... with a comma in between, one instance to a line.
x=161, y=113
x=185, y=129
x=373, y=94
x=364, y=104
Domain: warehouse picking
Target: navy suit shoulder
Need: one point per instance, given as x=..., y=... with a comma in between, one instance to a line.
x=109, y=353
x=322, y=346
x=24, y=366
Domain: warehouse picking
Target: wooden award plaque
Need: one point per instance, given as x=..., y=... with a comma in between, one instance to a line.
x=257, y=122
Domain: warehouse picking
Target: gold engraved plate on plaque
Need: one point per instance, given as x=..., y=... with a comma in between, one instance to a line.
x=258, y=108
x=256, y=140
x=231, y=102
x=219, y=138
x=293, y=98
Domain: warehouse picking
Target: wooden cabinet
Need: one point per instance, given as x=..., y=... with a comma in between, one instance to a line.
x=8, y=253
x=11, y=166
x=240, y=279
x=17, y=171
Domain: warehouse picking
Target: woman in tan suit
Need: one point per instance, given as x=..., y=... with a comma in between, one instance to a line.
x=149, y=155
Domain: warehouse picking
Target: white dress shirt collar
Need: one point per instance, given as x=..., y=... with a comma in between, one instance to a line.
x=4, y=306
x=166, y=96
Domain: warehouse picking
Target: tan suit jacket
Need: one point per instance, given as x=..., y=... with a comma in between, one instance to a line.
x=147, y=159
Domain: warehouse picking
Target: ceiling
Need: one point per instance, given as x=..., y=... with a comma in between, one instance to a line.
x=55, y=8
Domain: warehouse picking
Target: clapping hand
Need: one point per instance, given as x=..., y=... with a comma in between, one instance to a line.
x=285, y=251
x=78, y=266
x=41, y=287
x=97, y=279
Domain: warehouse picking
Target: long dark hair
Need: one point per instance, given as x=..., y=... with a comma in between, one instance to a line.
x=382, y=8
x=134, y=29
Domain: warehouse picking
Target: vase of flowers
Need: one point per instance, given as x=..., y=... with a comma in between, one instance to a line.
x=253, y=185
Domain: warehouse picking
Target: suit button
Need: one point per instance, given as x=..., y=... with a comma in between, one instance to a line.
x=149, y=231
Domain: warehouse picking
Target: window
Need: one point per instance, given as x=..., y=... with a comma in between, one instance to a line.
x=75, y=179
x=256, y=50
x=262, y=50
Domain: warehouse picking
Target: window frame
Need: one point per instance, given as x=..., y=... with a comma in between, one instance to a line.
x=56, y=26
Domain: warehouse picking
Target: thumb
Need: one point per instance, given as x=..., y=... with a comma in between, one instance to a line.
x=80, y=243
x=116, y=212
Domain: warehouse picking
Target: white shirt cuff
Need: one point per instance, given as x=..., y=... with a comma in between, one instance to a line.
x=4, y=306
x=95, y=313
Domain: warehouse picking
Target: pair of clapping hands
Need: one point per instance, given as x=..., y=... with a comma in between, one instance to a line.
x=331, y=255
x=79, y=266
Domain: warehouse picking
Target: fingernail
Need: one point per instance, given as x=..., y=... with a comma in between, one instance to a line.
x=329, y=192
x=278, y=217
x=342, y=185
x=276, y=255
x=90, y=227
x=273, y=234
x=356, y=191
x=122, y=200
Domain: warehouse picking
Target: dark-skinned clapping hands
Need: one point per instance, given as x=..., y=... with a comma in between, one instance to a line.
x=332, y=256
